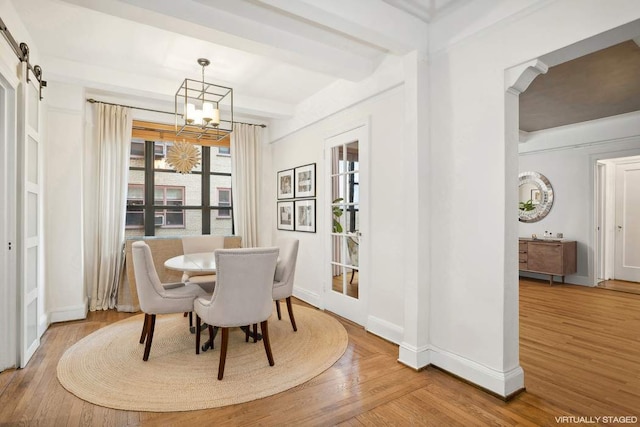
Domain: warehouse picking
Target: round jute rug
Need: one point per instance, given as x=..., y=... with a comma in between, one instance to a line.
x=106, y=367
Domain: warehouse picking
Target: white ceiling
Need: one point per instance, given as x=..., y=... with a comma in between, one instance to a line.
x=274, y=53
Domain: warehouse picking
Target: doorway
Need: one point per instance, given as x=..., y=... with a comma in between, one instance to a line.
x=346, y=289
x=618, y=230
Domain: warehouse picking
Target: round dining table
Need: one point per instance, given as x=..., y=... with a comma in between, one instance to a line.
x=204, y=262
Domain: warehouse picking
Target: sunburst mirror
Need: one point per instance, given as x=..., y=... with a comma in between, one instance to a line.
x=183, y=156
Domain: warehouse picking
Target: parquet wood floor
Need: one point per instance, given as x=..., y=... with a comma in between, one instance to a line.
x=579, y=348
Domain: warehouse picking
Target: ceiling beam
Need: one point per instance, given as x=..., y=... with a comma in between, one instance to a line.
x=370, y=21
x=215, y=22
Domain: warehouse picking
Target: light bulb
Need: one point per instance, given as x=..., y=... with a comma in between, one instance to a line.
x=197, y=116
x=191, y=113
x=215, y=120
x=207, y=112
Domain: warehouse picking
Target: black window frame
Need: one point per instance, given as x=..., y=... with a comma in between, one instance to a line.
x=151, y=210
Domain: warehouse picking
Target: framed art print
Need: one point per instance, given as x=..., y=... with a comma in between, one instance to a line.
x=285, y=184
x=305, y=181
x=305, y=215
x=285, y=216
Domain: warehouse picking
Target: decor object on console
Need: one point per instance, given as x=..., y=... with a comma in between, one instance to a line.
x=204, y=110
x=547, y=256
x=535, y=196
x=183, y=156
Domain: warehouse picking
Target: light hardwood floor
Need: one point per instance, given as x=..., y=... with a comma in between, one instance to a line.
x=579, y=348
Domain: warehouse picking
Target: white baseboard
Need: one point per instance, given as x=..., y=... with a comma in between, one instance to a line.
x=384, y=329
x=65, y=314
x=308, y=297
x=501, y=383
x=414, y=357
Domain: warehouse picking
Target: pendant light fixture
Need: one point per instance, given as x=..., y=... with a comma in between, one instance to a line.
x=203, y=110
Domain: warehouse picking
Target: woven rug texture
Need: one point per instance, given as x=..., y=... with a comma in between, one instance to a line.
x=106, y=367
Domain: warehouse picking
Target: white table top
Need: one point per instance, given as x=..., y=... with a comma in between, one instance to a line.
x=193, y=263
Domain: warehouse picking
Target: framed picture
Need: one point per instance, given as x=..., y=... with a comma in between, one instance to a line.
x=305, y=215
x=305, y=184
x=285, y=184
x=285, y=216
x=535, y=196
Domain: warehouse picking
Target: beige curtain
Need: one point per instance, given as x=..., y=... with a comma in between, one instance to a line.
x=104, y=243
x=246, y=141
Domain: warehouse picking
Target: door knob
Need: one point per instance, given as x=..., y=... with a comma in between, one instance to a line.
x=619, y=227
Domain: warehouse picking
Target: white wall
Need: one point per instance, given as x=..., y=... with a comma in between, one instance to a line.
x=385, y=110
x=474, y=326
x=567, y=157
x=64, y=184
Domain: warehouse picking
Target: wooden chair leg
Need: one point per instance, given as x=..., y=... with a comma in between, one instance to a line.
x=190, y=319
x=290, y=310
x=145, y=326
x=255, y=332
x=151, y=327
x=186, y=313
x=198, y=324
x=352, y=273
x=223, y=352
x=267, y=345
x=278, y=309
x=212, y=335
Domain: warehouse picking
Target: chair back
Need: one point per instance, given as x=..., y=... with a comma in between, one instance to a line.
x=148, y=283
x=353, y=246
x=198, y=244
x=242, y=295
x=286, y=268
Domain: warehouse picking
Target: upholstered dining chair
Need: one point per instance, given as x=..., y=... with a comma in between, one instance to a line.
x=154, y=297
x=242, y=296
x=353, y=248
x=198, y=244
x=285, y=272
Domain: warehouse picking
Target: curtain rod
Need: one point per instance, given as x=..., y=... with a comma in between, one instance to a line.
x=94, y=101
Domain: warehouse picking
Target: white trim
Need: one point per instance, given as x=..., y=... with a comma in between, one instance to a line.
x=72, y=312
x=503, y=383
x=308, y=297
x=414, y=357
x=387, y=330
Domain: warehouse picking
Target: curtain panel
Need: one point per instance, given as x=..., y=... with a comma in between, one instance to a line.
x=105, y=209
x=246, y=143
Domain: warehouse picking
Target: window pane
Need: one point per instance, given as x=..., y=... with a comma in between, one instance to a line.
x=137, y=151
x=220, y=164
x=221, y=226
x=191, y=222
x=185, y=187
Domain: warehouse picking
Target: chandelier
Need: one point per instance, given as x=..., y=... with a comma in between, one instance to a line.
x=203, y=110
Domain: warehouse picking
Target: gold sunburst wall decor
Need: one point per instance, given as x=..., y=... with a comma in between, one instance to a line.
x=183, y=156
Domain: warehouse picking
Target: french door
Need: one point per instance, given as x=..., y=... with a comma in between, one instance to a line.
x=347, y=186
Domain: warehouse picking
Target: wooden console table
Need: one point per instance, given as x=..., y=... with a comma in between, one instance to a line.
x=548, y=256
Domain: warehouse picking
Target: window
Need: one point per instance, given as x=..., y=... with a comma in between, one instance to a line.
x=169, y=196
x=135, y=206
x=224, y=151
x=163, y=196
x=224, y=199
x=161, y=202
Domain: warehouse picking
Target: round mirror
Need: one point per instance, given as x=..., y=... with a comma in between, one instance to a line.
x=536, y=196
